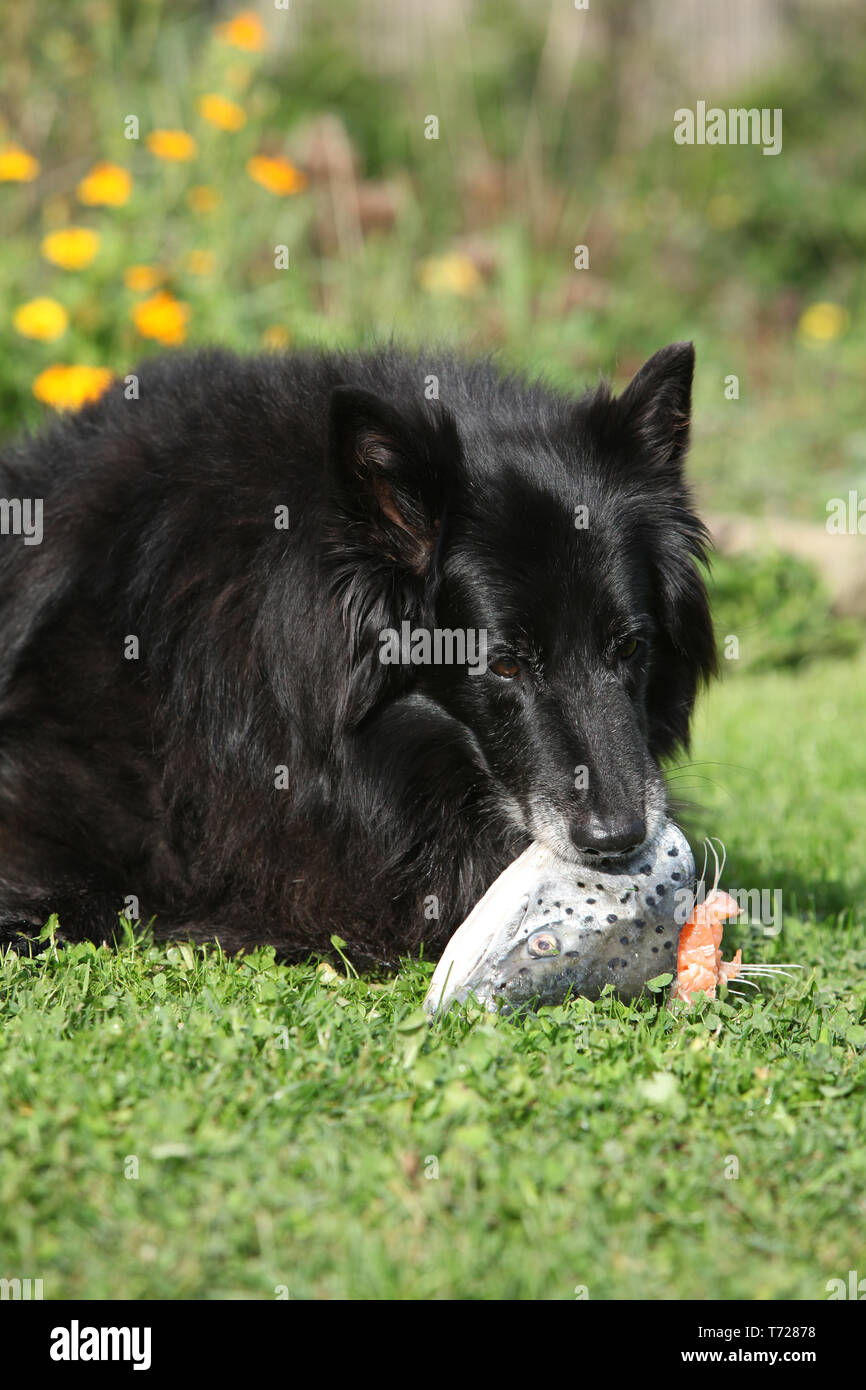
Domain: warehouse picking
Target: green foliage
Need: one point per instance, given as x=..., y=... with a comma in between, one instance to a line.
x=537, y=152
x=779, y=610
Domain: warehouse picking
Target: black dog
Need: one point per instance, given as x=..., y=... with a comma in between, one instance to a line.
x=197, y=721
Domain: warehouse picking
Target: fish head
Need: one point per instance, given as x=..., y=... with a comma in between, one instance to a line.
x=548, y=929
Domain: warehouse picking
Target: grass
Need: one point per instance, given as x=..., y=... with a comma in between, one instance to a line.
x=296, y=1129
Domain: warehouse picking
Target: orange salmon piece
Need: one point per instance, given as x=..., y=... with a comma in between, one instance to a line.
x=699, y=962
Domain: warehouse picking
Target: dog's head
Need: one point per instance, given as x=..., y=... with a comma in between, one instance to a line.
x=557, y=537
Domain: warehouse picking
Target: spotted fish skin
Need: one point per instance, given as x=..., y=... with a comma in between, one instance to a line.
x=547, y=929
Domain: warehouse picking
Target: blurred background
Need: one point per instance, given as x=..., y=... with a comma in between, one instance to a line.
x=309, y=128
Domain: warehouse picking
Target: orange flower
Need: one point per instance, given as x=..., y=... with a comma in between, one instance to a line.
x=276, y=336
x=43, y=318
x=174, y=145
x=202, y=198
x=276, y=174
x=162, y=317
x=201, y=262
x=67, y=388
x=107, y=185
x=245, y=31
x=219, y=111
x=141, y=279
x=71, y=247
x=16, y=165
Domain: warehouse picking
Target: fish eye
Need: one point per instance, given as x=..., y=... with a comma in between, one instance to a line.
x=627, y=649
x=544, y=943
x=505, y=667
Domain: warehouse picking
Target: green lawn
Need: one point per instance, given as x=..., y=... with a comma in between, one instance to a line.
x=284, y=1121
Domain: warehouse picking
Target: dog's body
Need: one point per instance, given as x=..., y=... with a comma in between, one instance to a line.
x=193, y=709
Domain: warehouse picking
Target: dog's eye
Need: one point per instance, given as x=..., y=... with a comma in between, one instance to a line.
x=628, y=649
x=506, y=667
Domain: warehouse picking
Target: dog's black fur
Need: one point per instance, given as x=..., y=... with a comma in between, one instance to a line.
x=409, y=788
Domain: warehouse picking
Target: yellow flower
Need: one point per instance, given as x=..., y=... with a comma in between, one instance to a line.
x=44, y=319
x=141, y=279
x=67, y=388
x=276, y=336
x=453, y=274
x=202, y=198
x=16, y=165
x=175, y=145
x=822, y=322
x=245, y=31
x=201, y=262
x=72, y=247
x=107, y=185
x=276, y=174
x=162, y=317
x=224, y=114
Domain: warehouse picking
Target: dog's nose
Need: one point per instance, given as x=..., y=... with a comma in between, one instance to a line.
x=613, y=836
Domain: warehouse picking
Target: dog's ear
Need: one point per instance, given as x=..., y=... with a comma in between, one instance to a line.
x=685, y=646
x=391, y=472
x=656, y=405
